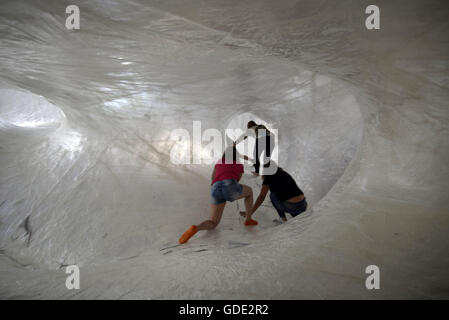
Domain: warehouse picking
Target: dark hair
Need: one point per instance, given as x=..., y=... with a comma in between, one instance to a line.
x=251, y=124
x=267, y=165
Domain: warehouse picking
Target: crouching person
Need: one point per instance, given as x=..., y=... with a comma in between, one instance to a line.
x=285, y=194
x=225, y=187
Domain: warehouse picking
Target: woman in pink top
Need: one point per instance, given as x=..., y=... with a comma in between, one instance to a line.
x=225, y=187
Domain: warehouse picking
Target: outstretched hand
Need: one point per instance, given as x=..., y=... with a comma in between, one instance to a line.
x=248, y=222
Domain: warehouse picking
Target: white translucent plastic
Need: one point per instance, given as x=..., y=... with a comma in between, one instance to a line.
x=85, y=170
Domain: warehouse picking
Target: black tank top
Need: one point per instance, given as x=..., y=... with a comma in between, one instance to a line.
x=282, y=184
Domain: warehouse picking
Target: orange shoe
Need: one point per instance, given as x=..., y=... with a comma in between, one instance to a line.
x=188, y=234
x=250, y=222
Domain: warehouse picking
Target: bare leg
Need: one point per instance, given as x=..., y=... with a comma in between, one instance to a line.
x=216, y=211
x=247, y=193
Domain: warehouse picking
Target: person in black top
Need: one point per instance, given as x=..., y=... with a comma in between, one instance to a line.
x=285, y=194
x=264, y=146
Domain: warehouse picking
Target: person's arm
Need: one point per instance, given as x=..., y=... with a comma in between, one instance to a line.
x=244, y=156
x=213, y=175
x=242, y=137
x=261, y=197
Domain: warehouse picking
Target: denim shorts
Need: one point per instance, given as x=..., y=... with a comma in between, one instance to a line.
x=225, y=190
x=282, y=206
